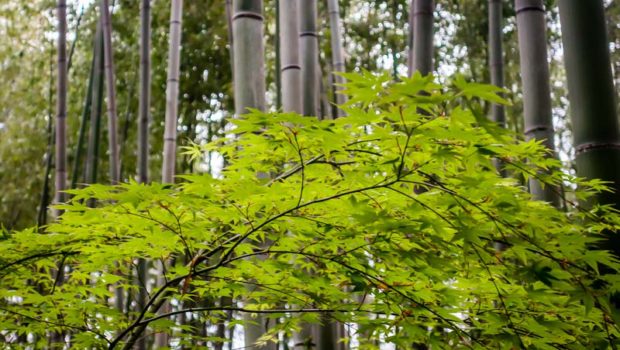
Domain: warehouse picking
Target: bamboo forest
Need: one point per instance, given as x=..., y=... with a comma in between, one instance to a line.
x=310, y=174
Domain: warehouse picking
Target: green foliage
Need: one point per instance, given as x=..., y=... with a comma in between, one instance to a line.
x=390, y=218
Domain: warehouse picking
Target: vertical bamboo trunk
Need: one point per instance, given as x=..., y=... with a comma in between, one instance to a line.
x=229, y=15
x=338, y=60
x=309, y=49
x=531, y=27
x=83, y=121
x=249, y=91
x=278, y=51
x=145, y=91
x=592, y=98
x=422, y=36
x=111, y=93
x=290, y=65
x=49, y=154
x=496, y=59
x=143, y=136
x=92, y=154
x=170, y=132
x=172, y=92
x=61, y=105
x=410, y=38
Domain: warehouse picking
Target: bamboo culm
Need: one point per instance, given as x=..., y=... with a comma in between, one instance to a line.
x=249, y=92
x=592, y=99
x=83, y=122
x=172, y=92
x=496, y=56
x=49, y=154
x=290, y=65
x=111, y=93
x=92, y=154
x=145, y=91
x=61, y=105
x=338, y=60
x=112, y=114
x=531, y=27
x=422, y=18
x=143, y=138
x=309, y=50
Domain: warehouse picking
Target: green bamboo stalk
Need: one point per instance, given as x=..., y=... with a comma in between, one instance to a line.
x=338, y=61
x=290, y=65
x=61, y=105
x=172, y=92
x=496, y=57
x=277, y=48
x=249, y=92
x=593, y=100
x=83, y=121
x=111, y=94
x=92, y=154
x=410, y=40
x=143, y=138
x=45, y=193
x=531, y=27
x=309, y=49
x=145, y=91
x=422, y=18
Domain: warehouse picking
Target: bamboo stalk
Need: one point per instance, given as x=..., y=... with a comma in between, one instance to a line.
x=49, y=155
x=61, y=105
x=423, y=47
x=290, y=65
x=531, y=27
x=249, y=91
x=92, y=154
x=111, y=93
x=338, y=60
x=309, y=48
x=496, y=59
x=143, y=138
x=593, y=99
x=145, y=91
x=83, y=121
x=172, y=92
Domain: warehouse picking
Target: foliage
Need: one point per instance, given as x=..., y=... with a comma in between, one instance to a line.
x=389, y=219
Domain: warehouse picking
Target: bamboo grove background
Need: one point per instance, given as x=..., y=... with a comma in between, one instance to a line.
x=107, y=92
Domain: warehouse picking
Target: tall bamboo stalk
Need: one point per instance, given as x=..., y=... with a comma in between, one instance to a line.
x=410, y=38
x=290, y=65
x=172, y=92
x=531, y=27
x=143, y=137
x=496, y=56
x=61, y=104
x=111, y=93
x=423, y=47
x=249, y=91
x=145, y=91
x=92, y=153
x=309, y=49
x=593, y=100
x=83, y=121
x=278, y=51
x=338, y=61
x=113, y=144
x=229, y=15
x=49, y=154
x=170, y=132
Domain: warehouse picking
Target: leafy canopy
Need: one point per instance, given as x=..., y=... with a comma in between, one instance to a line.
x=389, y=219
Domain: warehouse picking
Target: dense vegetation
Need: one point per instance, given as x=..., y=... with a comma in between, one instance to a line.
x=392, y=211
